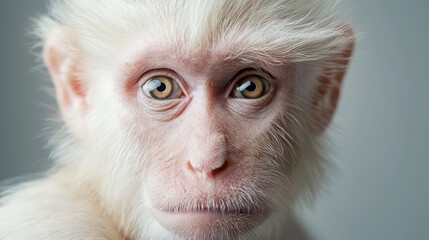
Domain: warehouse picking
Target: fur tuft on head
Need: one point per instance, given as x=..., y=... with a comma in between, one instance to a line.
x=274, y=32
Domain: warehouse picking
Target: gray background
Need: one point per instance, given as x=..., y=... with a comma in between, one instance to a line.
x=381, y=129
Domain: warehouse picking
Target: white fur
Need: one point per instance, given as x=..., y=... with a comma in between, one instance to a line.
x=78, y=201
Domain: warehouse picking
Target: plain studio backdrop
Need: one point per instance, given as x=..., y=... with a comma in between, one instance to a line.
x=380, y=189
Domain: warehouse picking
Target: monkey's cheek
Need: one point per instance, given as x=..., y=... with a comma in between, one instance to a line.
x=202, y=224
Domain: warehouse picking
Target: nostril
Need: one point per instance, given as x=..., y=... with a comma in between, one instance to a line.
x=207, y=169
x=220, y=169
x=190, y=167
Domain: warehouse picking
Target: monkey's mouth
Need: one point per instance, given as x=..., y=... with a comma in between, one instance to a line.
x=184, y=221
x=213, y=210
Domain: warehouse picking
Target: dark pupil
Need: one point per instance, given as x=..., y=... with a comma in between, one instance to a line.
x=161, y=87
x=251, y=87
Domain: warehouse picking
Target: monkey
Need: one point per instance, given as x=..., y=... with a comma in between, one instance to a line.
x=183, y=119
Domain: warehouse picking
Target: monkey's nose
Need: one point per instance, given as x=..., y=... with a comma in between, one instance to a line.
x=209, y=158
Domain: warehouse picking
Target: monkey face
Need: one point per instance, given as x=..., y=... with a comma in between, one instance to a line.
x=202, y=129
x=201, y=132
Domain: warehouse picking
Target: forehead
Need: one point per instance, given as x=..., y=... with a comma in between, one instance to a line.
x=196, y=61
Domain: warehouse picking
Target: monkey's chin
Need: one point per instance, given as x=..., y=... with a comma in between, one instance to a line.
x=205, y=224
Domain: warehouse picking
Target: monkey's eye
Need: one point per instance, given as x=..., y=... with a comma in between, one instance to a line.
x=250, y=87
x=161, y=88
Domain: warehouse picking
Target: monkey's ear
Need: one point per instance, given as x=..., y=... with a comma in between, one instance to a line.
x=61, y=59
x=327, y=90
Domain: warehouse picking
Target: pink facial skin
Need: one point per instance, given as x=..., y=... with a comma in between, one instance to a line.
x=207, y=170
